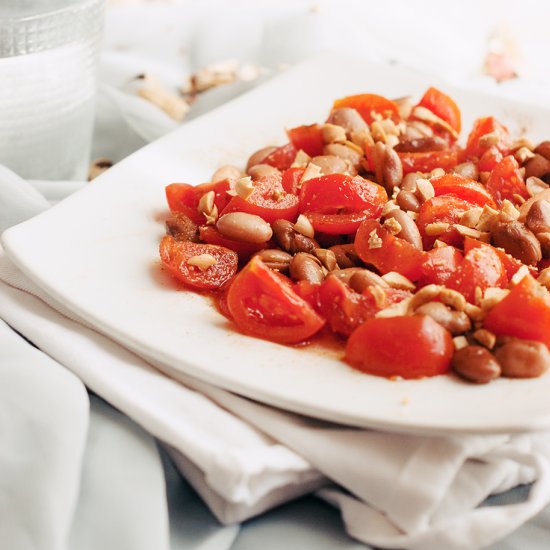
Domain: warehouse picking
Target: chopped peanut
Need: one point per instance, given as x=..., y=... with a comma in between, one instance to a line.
x=396, y=280
x=202, y=261
x=437, y=228
x=374, y=240
x=304, y=227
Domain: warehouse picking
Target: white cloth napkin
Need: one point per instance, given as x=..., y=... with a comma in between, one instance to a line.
x=398, y=490
x=41, y=447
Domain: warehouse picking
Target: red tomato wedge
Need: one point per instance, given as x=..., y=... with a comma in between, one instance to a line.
x=268, y=200
x=344, y=309
x=482, y=127
x=309, y=292
x=489, y=159
x=291, y=180
x=220, y=188
x=511, y=264
x=463, y=188
x=308, y=138
x=410, y=347
x=443, y=106
x=506, y=181
x=211, y=235
x=524, y=313
x=337, y=203
x=367, y=104
x=429, y=160
x=181, y=197
x=439, y=265
x=337, y=224
x=445, y=209
x=481, y=267
x=175, y=256
x=282, y=157
x=378, y=247
x=263, y=304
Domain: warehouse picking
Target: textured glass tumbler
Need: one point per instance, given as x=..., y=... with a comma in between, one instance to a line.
x=49, y=53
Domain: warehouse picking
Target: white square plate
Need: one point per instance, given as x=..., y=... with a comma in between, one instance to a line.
x=97, y=254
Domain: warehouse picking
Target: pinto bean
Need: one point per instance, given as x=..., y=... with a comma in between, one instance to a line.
x=261, y=170
x=361, y=279
x=517, y=240
x=538, y=217
x=332, y=133
x=245, y=227
x=345, y=274
x=227, y=171
x=456, y=322
x=476, y=364
x=306, y=267
x=538, y=166
x=182, y=228
x=330, y=164
x=392, y=169
x=348, y=118
x=351, y=156
x=259, y=156
x=274, y=258
x=466, y=169
x=290, y=240
x=421, y=144
x=543, y=149
x=409, y=181
x=525, y=207
x=346, y=255
x=409, y=230
x=523, y=358
x=407, y=201
x=544, y=239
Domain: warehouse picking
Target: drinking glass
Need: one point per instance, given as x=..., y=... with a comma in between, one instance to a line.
x=49, y=53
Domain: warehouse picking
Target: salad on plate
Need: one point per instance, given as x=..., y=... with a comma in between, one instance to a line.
x=419, y=255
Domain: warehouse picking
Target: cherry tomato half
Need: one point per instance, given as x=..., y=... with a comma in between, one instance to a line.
x=308, y=138
x=511, y=264
x=337, y=204
x=489, y=159
x=220, y=188
x=343, y=308
x=282, y=157
x=367, y=104
x=175, y=256
x=291, y=180
x=378, y=247
x=182, y=197
x=506, y=181
x=481, y=267
x=482, y=127
x=444, y=209
x=429, y=160
x=439, y=265
x=410, y=347
x=263, y=304
x=463, y=188
x=268, y=200
x=524, y=313
x=211, y=235
x=443, y=106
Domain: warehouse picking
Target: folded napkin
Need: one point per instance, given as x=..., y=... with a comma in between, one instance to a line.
x=243, y=458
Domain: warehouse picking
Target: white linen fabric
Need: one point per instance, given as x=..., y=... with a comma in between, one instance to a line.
x=416, y=492
x=242, y=457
